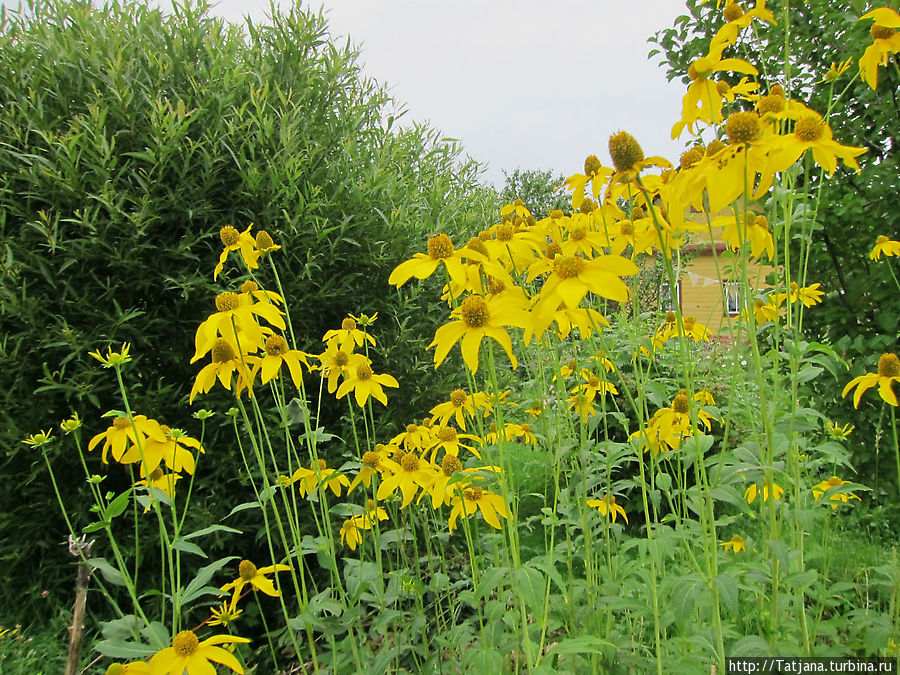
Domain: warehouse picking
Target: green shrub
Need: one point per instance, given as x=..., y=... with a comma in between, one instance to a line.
x=129, y=138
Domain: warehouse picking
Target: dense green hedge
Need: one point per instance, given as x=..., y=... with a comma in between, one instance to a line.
x=128, y=138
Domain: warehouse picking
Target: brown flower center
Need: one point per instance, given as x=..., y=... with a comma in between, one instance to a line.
x=569, y=267
x=249, y=286
x=691, y=157
x=440, y=246
x=714, y=147
x=458, y=398
x=341, y=358
x=553, y=249
x=505, y=232
x=888, y=366
x=222, y=351
x=625, y=151
x=809, y=129
x=881, y=32
x=247, y=570
x=276, y=345
x=474, y=311
x=228, y=301
x=591, y=165
x=409, y=462
x=370, y=459
x=348, y=324
x=447, y=435
x=680, y=404
x=475, y=244
x=185, y=643
x=773, y=103
x=732, y=12
x=364, y=372
x=474, y=494
x=451, y=464
x=264, y=241
x=742, y=127
x=229, y=235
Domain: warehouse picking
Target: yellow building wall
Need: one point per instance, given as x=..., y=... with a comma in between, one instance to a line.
x=702, y=289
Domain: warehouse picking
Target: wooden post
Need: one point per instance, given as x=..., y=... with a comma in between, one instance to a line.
x=81, y=549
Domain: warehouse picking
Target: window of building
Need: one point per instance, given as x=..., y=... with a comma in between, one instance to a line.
x=732, y=298
x=665, y=296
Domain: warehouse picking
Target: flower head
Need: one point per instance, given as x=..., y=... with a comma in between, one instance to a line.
x=188, y=653
x=255, y=577
x=607, y=507
x=736, y=544
x=113, y=359
x=886, y=246
x=888, y=373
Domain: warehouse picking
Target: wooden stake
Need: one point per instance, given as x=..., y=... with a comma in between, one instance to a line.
x=81, y=549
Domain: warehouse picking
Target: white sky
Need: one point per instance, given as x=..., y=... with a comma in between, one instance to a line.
x=521, y=83
x=528, y=84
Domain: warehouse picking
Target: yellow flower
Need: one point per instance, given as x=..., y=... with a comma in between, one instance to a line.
x=133, y=668
x=349, y=333
x=351, y=529
x=363, y=382
x=811, y=132
x=440, y=250
x=885, y=41
x=703, y=101
x=475, y=499
x=410, y=474
x=371, y=465
x=459, y=406
x=838, y=432
x=224, y=615
x=226, y=361
x=475, y=319
x=594, y=173
x=248, y=573
x=607, y=507
x=572, y=277
x=582, y=404
x=885, y=246
x=187, y=653
x=113, y=359
x=316, y=475
x=751, y=492
x=754, y=230
x=450, y=440
x=39, y=440
x=833, y=482
x=836, y=70
x=237, y=241
x=736, y=544
x=415, y=436
x=123, y=432
x=236, y=322
x=174, y=451
x=888, y=373
x=337, y=362
x=71, y=424
x=277, y=354
x=159, y=480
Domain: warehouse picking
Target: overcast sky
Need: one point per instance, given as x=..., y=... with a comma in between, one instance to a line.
x=521, y=83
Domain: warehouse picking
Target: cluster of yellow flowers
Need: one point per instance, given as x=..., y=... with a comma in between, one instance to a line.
x=137, y=439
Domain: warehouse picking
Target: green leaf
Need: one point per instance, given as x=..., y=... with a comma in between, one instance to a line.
x=117, y=506
x=198, y=585
x=530, y=583
x=728, y=591
x=586, y=644
x=122, y=649
x=211, y=529
x=110, y=573
x=243, y=507
x=188, y=547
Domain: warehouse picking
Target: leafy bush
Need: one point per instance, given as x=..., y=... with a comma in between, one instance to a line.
x=130, y=137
